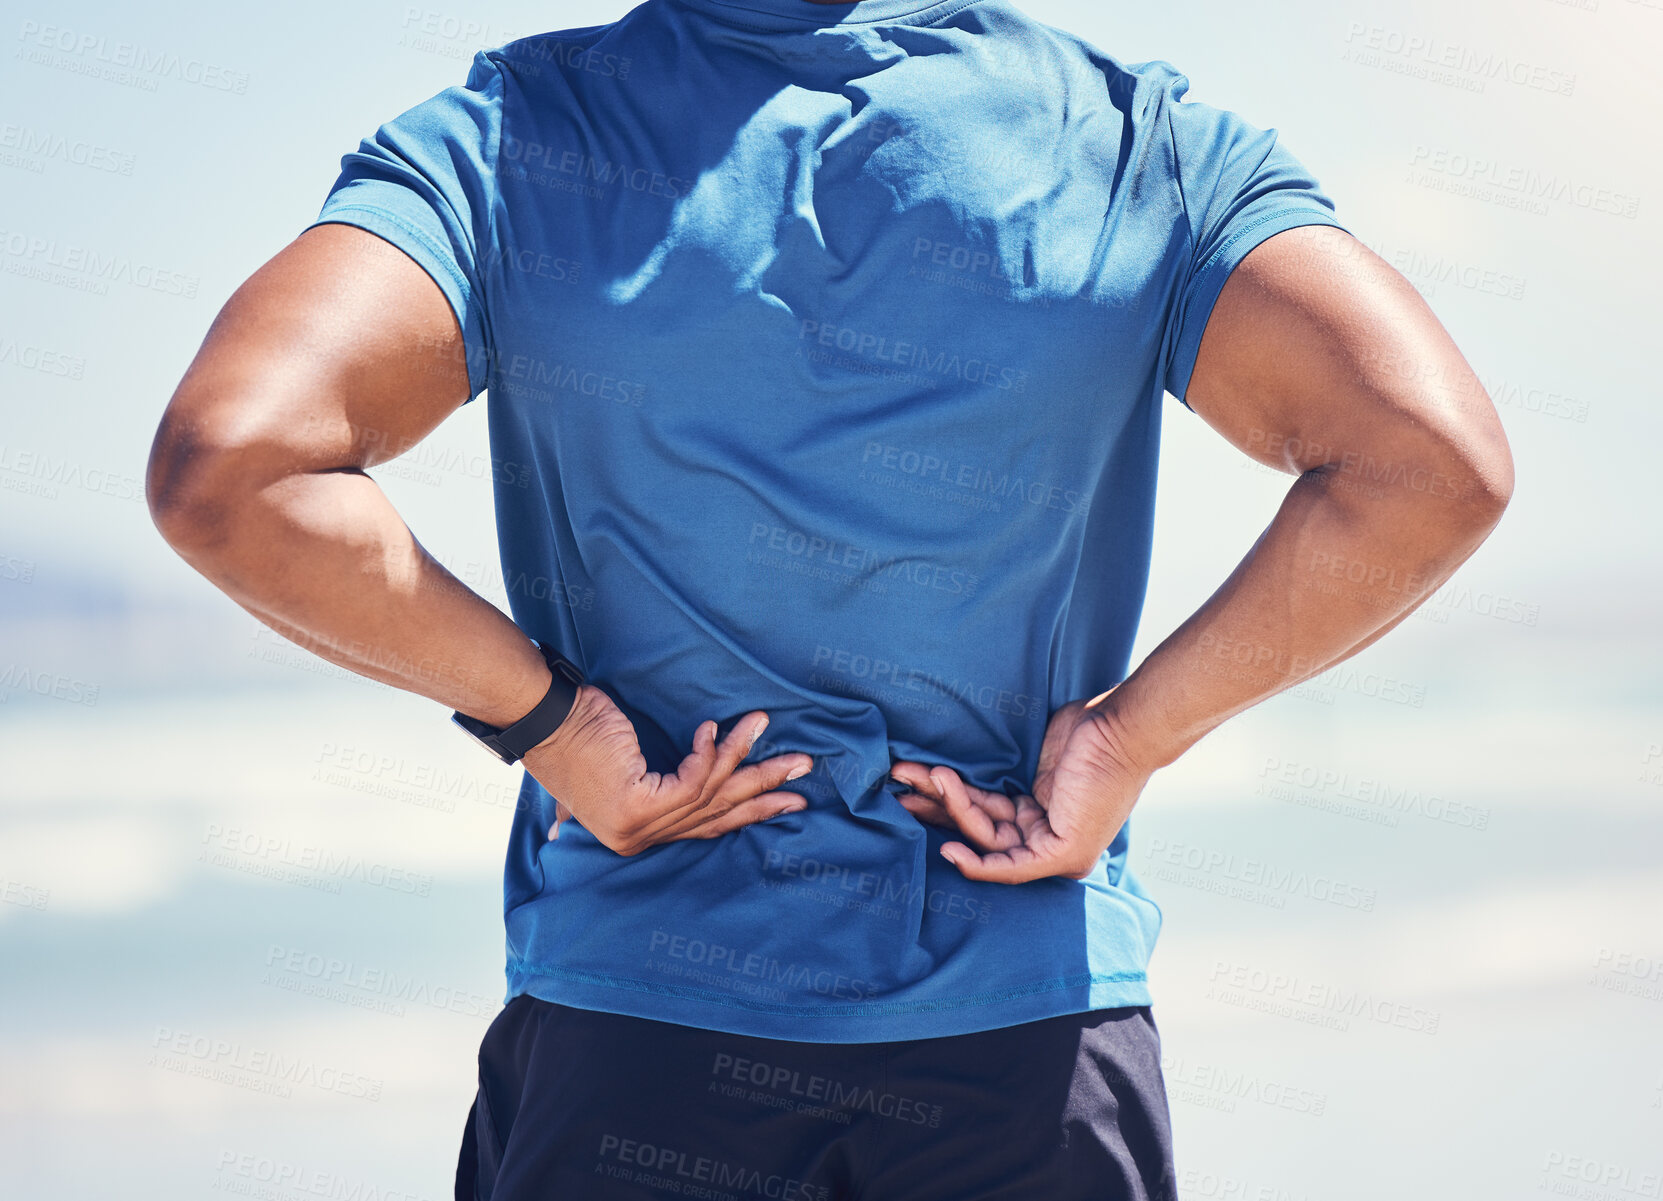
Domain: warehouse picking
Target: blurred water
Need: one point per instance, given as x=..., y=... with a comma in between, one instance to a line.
x=1412, y=947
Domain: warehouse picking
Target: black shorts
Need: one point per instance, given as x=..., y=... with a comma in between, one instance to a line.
x=576, y=1104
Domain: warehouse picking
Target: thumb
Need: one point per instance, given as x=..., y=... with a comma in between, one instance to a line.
x=561, y=813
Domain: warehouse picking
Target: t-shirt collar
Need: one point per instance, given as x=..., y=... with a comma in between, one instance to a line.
x=804, y=14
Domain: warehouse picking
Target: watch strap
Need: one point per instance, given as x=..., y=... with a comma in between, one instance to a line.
x=510, y=743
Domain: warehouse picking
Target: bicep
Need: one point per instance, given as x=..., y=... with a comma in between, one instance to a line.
x=339, y=352
x=1317, y=349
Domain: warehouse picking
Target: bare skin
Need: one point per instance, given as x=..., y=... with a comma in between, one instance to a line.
x=1322, y=361
x=340, y=353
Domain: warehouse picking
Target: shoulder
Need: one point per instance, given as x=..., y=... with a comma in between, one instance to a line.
x=1139, y=88
x=598, y=51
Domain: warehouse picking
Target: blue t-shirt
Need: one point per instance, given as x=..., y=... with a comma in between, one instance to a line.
x=834, y=339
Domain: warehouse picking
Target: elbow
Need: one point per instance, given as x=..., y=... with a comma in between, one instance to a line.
x=191, y=488
x=1486, y=471
x=1490, y=491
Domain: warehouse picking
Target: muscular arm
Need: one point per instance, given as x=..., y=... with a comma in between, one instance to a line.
x=1321, y=360
x=338, y=354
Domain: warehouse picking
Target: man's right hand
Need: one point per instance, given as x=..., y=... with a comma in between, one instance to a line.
x=593, y=767
x=1086, y=781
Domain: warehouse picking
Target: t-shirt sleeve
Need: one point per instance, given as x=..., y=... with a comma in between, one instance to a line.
x=426, y=182
x=1238, y=184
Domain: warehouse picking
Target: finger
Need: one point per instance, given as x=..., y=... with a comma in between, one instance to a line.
x=769, y=804
x=915, y=776
x=1043, y=852
x=927, y=810
x=733, y=750
x=757, y=778
x=561, y=813
x=745, y=784
x=973, y=819
x=1034, y=821
x=673, y=794
x=1017, y=865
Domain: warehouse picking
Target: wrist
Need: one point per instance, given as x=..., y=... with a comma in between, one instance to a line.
x=533, y=727
x=581, y=704
x=1144, y=737
x=518, y=696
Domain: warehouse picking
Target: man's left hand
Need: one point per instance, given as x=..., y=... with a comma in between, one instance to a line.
x=1086, y=784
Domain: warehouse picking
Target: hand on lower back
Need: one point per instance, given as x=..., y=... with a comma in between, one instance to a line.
x=1083, y=791
x=593, y=767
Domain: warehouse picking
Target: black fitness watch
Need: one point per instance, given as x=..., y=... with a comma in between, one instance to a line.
x=511, y=742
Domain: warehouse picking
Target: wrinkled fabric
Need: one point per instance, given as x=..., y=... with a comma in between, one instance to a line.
x=574, y=1103
x=825, y=349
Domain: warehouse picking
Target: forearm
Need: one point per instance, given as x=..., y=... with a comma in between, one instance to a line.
x=1339, y=566
x=325, y=559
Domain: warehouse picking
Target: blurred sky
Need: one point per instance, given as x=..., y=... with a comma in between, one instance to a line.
x=1503, y=156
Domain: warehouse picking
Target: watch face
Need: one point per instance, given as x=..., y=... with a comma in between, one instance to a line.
x=488, y=741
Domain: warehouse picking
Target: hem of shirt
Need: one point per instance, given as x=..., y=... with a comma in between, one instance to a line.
x=848, y=1022
x=1224, y=260
x=420, y=248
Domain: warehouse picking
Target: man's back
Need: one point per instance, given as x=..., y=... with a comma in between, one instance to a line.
x=826, y=346
x=825, y=366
